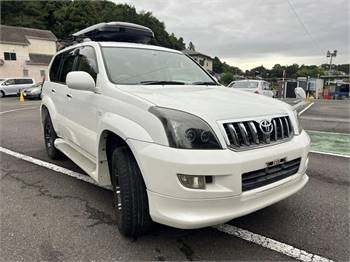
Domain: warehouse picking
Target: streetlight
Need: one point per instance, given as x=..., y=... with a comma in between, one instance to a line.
x=331, y=55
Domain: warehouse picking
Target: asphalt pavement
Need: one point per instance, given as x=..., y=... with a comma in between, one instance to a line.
x=46, y=215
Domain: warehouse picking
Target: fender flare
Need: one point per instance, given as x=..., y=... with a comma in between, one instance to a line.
x=50, y=106
x=122, y=127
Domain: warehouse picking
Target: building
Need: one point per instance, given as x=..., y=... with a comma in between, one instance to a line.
x=204, y=60
x=25, y=52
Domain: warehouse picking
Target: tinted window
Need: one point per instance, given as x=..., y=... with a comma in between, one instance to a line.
x=87, y=61
x=67, y=65
x=54, y=70
x=23, y=81
x=28, y=81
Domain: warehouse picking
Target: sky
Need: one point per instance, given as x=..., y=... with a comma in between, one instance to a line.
x=250, y=33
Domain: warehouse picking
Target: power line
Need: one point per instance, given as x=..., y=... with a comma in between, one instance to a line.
x=304, y=26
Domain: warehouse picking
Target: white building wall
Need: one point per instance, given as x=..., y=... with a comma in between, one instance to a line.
x=39, y=46
x=18, y=67
x=13, y=68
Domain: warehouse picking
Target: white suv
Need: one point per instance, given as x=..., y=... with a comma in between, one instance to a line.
x=177, y=148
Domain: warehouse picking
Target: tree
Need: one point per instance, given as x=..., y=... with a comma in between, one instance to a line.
x=226, y=78
x=217, y=65
x=191, y=47
x=291, y=70
x=66, y=17
x=311, y=71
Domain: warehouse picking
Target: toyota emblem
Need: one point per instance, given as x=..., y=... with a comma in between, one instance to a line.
x=266, y=127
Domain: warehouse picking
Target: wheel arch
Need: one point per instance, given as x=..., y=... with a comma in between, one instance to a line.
x=109, y=140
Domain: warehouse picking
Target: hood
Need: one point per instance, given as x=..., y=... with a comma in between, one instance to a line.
x=216, y=103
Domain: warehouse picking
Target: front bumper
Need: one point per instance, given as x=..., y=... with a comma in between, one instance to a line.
x=190, y=214
x=172, y=204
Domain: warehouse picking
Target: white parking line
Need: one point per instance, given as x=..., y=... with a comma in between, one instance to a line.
x=18, y=109
x=269, y=243
x=328, y=133
x=228, y=229
x=51, y=166
x=306, y=108
x=330, y=154
x=326, y=119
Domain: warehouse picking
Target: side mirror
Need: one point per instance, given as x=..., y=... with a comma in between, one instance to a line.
x=300, y=93
x=80, y=80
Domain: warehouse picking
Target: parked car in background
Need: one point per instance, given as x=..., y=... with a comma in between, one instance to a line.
x=11, y=86
x=33, y=92
x=341, y=90
x=257, y=86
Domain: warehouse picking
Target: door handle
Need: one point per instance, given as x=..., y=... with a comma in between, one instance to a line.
x=69, y=95
x=53, y=90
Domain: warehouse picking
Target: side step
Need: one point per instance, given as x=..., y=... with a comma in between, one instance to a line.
x=82, y=159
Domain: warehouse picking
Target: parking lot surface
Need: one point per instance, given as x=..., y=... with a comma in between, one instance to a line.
x=47, y=215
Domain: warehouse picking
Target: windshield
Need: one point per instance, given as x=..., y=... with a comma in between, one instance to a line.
x=245, y=84
x=146, y=66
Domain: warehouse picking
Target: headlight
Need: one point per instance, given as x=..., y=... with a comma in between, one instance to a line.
x=297, y=128
x=185, y=130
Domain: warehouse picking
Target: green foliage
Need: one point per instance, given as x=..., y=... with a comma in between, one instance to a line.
x=339, y=69
x=219, y=67
x=191, y=47
x=226, y=78
x=260, y=71
x=311, y=71
x=66, y=17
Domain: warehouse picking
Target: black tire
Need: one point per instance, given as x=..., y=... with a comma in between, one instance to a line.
x=50, y=137
x=129, y=194
x=2, y=94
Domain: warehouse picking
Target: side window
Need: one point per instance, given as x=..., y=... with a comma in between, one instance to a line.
x=87, y=61
x=67, y=65
x=266, y=86
x=27, y=81
x=54, y=68
x=10, y=82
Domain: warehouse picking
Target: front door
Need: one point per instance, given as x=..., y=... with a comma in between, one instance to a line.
x=82, y=109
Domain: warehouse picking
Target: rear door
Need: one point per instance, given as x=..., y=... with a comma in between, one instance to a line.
x=57, y=90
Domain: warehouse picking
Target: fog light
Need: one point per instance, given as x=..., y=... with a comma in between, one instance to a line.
x=194, y=182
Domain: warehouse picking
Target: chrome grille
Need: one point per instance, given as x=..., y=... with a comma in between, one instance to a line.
x=245, y=135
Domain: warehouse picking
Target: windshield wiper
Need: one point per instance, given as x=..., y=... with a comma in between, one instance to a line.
x=162, y=82
x=205, y=83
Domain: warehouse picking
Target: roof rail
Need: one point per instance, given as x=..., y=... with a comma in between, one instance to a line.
x=111, y=32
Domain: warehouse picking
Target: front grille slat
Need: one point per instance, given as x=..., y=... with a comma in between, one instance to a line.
x=253, y=132
x=233, y=134
x=287, y=125
x=274, y=129
x=282, y=129
x=243, y=135
x=268, y=175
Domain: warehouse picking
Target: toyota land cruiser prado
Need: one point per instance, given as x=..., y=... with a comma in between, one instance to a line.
x=176, y=147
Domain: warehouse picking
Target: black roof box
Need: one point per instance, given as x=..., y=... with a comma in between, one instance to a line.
x=116, y=32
